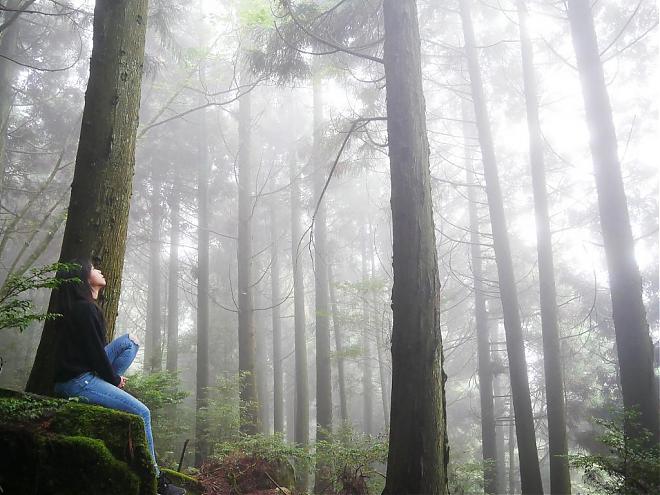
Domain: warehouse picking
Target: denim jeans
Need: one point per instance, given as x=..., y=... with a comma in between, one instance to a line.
x=94, y=390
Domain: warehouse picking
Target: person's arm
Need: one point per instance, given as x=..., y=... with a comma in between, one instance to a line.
x=90, y=330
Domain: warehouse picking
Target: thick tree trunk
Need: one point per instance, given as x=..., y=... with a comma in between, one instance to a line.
x=301, y=417
x=246, y=327
x=276, y=299
x=639, y=386
x=202, y=373
x=171, y=364
x=102, y=183
x=560, y=478
x=365, y=363
x=488, y=443
x=153, y=340
x=339, y=347
x=529, y=464
x=418, y=447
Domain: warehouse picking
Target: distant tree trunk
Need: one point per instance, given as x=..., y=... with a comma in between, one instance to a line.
x=529, y=464
x=173, y=282
x=512, y=455
x=378, y=328
x=261, y=365
x=301, y=413
x=7, y=73
x=367, y=380
x=488, y=443
x=202, y=374
x=499, y=434
x=276, y=299
x=339, y=347
x=639, y=386
x=323, y=378
x=153, y=341
x=246, y=328
x=418, y=447
x=301, y=419
x=560, y=478
x=102, y=182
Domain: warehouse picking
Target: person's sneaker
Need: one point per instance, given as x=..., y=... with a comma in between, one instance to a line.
x=165, y=487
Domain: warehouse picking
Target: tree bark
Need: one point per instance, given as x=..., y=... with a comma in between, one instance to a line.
x=246, y=325
x=418, y=447
x=153, y=339
x=171, y=364
x=276, y=299
x=530, y=472
x=560, y=478
x=378, y=328
x=339, y=347
x=202, y=372
x=365, y=362
x=102, y=183
x=485, y=371
x=639, y=385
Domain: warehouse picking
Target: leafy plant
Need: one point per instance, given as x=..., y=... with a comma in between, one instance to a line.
x=632, y=465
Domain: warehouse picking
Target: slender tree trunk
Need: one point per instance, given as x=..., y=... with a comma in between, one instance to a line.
x=102, y=182
x=153, y=348
x=418, y=447
x=639, y=385
x=367, y=380
x=339, y=347
x=323, y=378
x=301, y=419
x=499, y=435
x=512, y=455
x=7, y=72
x=529, y=464
x=488, y=443
x=202, y=374
x=301, y=413
x=246, y=327
x=173, y=282
x=261, y=365
x=560, y=478
x=276, y=299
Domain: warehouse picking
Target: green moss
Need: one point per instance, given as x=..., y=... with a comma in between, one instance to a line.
x=192, y=486
x=53, y=446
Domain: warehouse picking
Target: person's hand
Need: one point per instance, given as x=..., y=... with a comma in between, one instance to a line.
x=122, y=381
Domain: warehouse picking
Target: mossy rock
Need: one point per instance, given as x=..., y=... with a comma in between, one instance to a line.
x=59, y=447
x=192, y=486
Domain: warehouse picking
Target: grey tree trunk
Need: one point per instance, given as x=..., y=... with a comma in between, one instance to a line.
x=276, y=299
x=488, y=442
x=202, y=373
x=560, y=478
x=378, y=328
x=530, y=472
x=339, y=347
x=246, y=325
x=418, y=447
x=639, y=385
x=102, y=183
x=153, y=340
x=171, y=364
x=365, y=363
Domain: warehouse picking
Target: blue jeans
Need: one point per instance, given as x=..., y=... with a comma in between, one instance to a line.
x=93, y=389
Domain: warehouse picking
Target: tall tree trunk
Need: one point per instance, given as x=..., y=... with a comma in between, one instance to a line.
x=418, y=447
x=339, y=347
x=102, y=183
x=488, y=443
x=171, y=364
x=367, y=380
x=276, y=299
x=639, y=386
x=202, y=373
x=560, y=478
x=246, y=328
x=8, y=39
x=323, y=378
x=501, y=476
x=301, y=419
x=301, y=413
x=261, y=365
x=530, y=472
x=153, y=341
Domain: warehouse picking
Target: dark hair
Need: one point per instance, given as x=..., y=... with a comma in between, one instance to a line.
x=75, y=286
